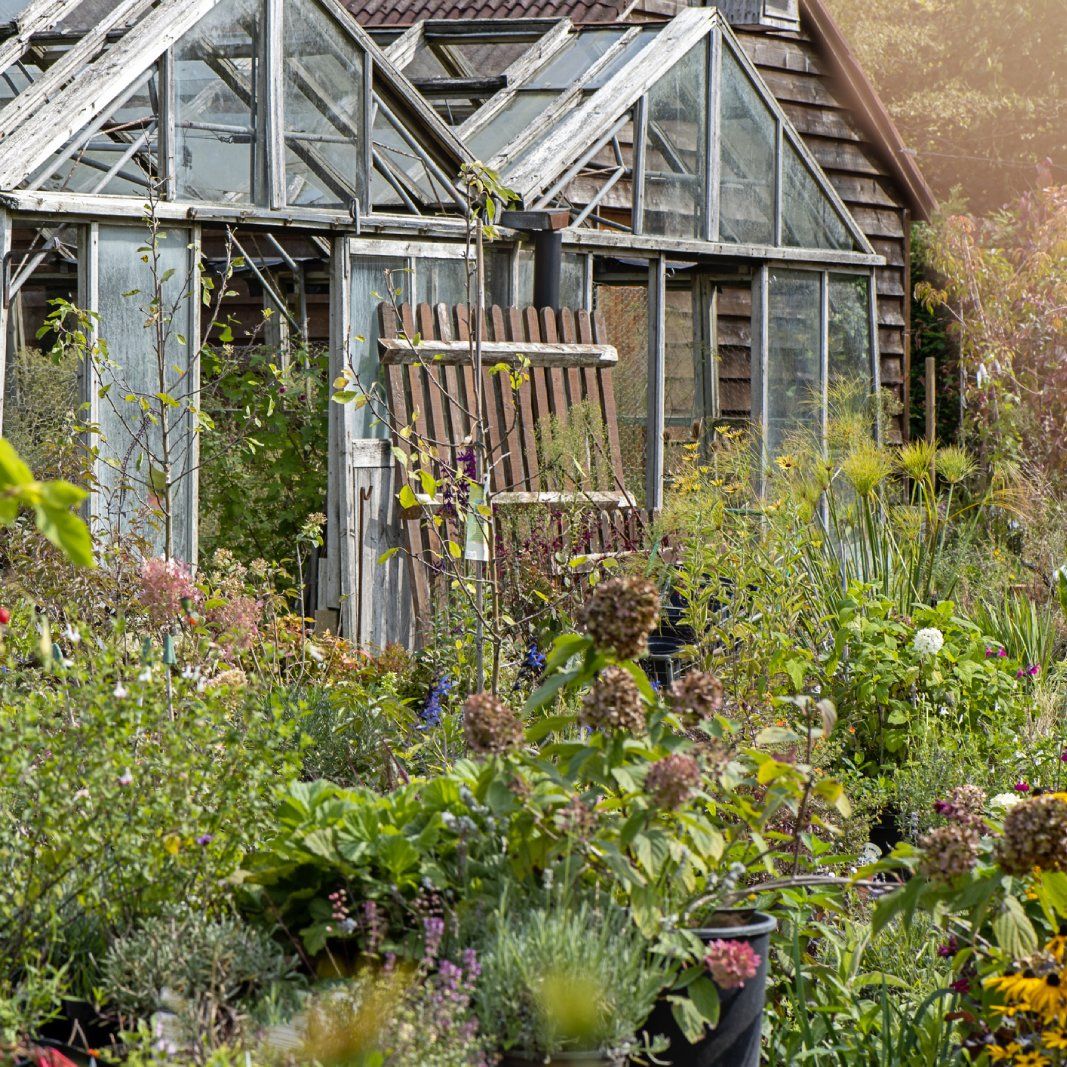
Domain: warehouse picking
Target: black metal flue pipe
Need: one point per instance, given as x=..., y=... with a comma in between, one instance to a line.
x=548, y=268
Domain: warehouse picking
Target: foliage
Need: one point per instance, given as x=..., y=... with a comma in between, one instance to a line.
x=891, y=688
x=978, y=91
x=49, y=502
x=264, y=463
x=112, y=809
x=566, y=975
x=1003, y=281
x=210, y=972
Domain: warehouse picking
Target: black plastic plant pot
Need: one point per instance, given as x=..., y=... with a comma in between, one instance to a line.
x=563, y=1059
x=735, y=1042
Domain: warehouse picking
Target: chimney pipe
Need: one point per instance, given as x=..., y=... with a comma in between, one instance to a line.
x=546, y=228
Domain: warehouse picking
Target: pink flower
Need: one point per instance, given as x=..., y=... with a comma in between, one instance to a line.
x=165, y=583
x=672, y=780
x=731, y=963
x=237, y=619
x=1022, y=787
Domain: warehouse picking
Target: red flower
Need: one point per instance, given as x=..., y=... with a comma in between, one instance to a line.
x=51, y=1057
x=5, y=616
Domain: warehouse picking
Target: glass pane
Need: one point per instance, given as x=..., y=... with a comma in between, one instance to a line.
x=11, y=9
x=407, y=170
x=215, y=77
x=574, y=59
x=809, y=219
x=442, y=281
x=850, y=329
x=572, y=280
x=794, y=364
x=130, y=442
x=323, y=110
x=635, y=46
x=371, y=285
x=506, y=125
x=679, y=379
x=676, y=163
x=746, y=184
x=121, y=158
x=625, y=312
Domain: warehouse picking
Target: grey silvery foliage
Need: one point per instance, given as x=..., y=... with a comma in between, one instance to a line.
x=566, y=975
x=211, y=973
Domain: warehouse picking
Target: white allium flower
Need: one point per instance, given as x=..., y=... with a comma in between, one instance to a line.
x=119, y=692
x=929, y=642
x=145, y=675
x=1004, y=801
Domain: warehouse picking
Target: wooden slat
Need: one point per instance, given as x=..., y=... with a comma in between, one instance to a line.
x=552, y=354
x=516, y=332
x=569, y=336
x=516, y=472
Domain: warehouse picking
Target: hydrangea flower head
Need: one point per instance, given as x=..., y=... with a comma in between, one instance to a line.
x=928, y=641
x=731, y=963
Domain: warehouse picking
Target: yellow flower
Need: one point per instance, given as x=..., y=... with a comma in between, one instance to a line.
x=786, y=462
x=1031, y=1059
x=1057, y=947
x=999, y=1053
x=1054, y=1039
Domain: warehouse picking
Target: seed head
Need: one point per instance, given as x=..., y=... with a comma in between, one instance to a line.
x=620, y=615
x=614, y=703
x=491, y=727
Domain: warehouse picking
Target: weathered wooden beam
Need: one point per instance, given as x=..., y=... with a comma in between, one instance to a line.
x=539, y=354
x=71, y=66
x=463, y=87
x=402, y=51
x=591, y=119
x=90, y=91
x=37, y=17
x=598, y=500
x=517, y=74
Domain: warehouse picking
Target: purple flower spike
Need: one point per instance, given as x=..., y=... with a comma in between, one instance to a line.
x=205, y=839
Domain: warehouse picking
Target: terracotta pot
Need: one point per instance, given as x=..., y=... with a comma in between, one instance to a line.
x=735, y=1042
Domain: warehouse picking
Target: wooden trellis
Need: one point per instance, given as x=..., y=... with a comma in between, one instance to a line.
x=560, y=359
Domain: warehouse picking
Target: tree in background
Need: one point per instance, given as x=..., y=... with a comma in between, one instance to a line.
x=1003, y=282
x=979, y=90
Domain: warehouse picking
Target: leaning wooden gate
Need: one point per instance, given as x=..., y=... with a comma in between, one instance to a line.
x=543, y=372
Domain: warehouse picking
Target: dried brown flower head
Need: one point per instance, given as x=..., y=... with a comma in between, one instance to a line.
x=949, y=851
x=1035, y=835
x=695, y=696
x=490, y=725
x=620, y=615
x=614, y=703
x=672, y=780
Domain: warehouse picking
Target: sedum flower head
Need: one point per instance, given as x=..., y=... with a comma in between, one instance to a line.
x=866, y=468
x=929, y=641
x=614, y=703
x=620, y=615
x=672, y=780
x=949, y=852
x=491, y=726
x=696, y=696
x=1035, y=835
x=954, y=464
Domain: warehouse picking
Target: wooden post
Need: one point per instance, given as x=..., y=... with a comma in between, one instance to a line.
x=657, y=329
x=931, y=398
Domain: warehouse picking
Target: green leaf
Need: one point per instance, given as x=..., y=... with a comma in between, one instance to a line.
x=388, y=555
x=407, y=498
x=1014, y=932
x=705, y=997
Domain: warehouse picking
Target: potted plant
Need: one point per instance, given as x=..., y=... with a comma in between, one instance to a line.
x=567, y=981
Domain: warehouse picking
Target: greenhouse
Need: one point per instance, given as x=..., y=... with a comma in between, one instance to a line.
x=654, y=180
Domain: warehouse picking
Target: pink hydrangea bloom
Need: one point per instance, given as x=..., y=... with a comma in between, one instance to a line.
x=731, y=963
x=165, y=583
x=237, y=620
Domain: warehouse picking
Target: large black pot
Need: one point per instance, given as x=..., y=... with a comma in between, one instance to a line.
x=564, y=1059
x=735, y=1042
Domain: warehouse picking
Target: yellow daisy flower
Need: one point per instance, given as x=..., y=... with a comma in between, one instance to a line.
x=1032, y=1059
x=1054, y=1039
x=1000, y=1053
